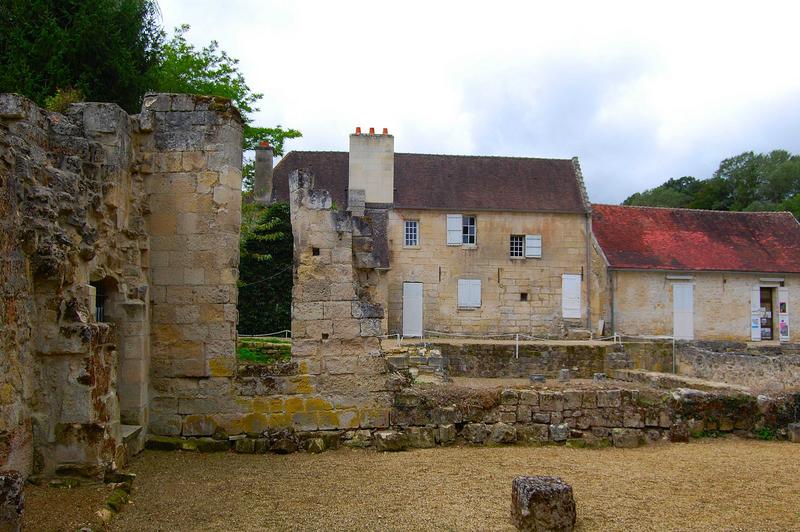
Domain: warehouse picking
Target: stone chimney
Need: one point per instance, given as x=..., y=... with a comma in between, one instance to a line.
x=371, y=168
x=262, y=178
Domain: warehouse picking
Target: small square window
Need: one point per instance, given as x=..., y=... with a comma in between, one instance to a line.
x=468, y=230
x=517, y=246
x=411, y=233
x=523, y=296
x=315, y=252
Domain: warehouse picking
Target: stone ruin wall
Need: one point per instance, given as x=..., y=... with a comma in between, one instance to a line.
x=82, y=209
x=336, y=379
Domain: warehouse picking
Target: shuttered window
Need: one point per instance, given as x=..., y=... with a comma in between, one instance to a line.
x=454, y=229
x=469, y=293
x=533, y=246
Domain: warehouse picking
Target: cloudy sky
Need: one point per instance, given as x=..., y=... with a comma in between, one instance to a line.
x=639, y=93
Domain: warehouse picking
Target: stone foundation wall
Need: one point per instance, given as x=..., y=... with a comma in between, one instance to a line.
x=504, y=360
x=759, y=370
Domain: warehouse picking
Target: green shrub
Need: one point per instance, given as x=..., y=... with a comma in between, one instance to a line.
x=765, y=433
x=62, y=99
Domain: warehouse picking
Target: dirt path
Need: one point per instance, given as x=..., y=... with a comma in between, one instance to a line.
x=726, y=484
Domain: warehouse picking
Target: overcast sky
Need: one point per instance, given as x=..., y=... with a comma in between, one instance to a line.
x=640, y=94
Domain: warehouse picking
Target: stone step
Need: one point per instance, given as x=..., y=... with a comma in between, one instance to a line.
x=671, y=380
x=132, y=439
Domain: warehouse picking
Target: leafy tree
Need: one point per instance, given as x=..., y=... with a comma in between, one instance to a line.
x=265, y=269
x=209, y=70
x=746, y=182
x=102, y=49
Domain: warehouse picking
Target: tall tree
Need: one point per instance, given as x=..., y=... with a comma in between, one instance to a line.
x=265, y=269
x=210, y=70
x=106, y=49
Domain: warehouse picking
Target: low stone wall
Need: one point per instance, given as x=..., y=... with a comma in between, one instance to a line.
x=504, y=361
x=760, y=370
x=430, y=415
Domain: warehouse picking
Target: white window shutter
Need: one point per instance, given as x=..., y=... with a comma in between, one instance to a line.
x=571, y=296
x=463, y=292
x=533, y=246
x=755, y=314
x=469, y=293
x=475, y=293
x=454, y=229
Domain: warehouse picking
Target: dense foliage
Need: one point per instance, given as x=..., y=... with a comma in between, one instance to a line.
x=105, y=49
x=58, y=52
x=209, y=70
x=746, y=182
x=265, y=269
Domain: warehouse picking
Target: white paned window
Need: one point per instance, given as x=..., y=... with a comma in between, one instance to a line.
x=454, y=229
x=468, y=233
x=516, y=246
x=533, y=246
x=469, y=293
x=411, y=233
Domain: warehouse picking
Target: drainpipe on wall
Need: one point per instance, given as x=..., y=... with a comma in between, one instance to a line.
x=612, y=288
x=587, y=238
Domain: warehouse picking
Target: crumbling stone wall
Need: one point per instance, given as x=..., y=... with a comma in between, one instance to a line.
x=758, y=370
x=193, y=161
x=80, y=197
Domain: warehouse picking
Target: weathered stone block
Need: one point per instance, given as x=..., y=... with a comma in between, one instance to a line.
x=503, y=433
x=535, y=433
x=390, y=440
x=421, y=437
x=559, y=432
x=551, y=401
x=609, y=398
x=540, y=504
x=475, y=432
x=446, y=434
x=626, y=438
x=12, y=500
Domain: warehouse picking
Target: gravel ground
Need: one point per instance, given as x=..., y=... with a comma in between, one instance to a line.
x=725, y=484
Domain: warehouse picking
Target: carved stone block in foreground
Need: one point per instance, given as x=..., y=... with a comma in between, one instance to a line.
x=11, y=501
x=542, y=503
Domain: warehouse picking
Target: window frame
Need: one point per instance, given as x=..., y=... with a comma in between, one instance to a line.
x=465, y=227
x=406, y=225
x=518, y=247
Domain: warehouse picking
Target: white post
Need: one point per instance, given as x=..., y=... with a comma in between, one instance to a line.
x=516, y=346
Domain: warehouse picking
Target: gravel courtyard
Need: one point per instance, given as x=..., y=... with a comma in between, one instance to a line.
x=725, y=484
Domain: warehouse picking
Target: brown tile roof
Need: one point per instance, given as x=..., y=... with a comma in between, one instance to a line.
x=653, y=238
x=451, y=182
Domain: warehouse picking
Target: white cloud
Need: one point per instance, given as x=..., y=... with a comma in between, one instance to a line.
x=640, y=93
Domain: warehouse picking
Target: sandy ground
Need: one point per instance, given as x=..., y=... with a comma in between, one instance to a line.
x=728, y=484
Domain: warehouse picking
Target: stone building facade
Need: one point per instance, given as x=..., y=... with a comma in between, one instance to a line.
x=120, y=253
x=475, y=245
x=696, y=275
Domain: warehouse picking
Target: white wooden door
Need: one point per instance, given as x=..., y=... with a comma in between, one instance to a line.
x=571, y=296
x=683, y=311
x=412, y=309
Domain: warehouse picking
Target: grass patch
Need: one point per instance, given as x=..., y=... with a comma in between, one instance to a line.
x=765, y=433
x=264, y=350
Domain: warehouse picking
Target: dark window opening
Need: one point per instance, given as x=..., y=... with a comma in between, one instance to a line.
x=315, y=252
x=324, y=336
x=99, y=302
x=523, y=296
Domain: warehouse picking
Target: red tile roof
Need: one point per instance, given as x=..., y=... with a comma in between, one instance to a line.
x=451, y=182
x=653, y=238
